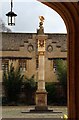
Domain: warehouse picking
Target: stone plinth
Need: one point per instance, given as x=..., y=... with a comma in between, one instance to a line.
x=41, y=100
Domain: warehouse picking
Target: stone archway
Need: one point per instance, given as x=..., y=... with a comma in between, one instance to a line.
x=69, y=11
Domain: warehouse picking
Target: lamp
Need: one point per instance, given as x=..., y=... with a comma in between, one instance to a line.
x=11, y=16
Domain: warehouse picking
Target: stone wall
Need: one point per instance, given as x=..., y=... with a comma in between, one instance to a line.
x=17, y=46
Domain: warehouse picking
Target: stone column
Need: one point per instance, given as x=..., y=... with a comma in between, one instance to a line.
x=41, y=73
x=41, y=94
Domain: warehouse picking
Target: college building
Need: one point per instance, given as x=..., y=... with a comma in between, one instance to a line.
x=21, y=49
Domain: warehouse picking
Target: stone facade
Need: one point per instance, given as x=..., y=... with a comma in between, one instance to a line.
x=21, y=49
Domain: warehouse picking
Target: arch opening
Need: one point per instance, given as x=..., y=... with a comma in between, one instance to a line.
x=64, y=9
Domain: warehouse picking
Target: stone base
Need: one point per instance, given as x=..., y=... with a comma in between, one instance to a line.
x=41, y=111
x=41, y=108
x=41, y=100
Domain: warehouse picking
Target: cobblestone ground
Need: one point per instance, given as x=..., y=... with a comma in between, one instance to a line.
x=18, y=112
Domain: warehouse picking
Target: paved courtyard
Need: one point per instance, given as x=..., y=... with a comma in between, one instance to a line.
x=19, y=112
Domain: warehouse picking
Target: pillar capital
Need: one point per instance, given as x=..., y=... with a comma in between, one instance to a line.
x=41, y=42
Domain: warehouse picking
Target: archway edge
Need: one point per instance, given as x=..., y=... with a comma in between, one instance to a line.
x=70, y=14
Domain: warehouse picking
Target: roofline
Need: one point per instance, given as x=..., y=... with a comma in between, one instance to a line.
x=34, y=33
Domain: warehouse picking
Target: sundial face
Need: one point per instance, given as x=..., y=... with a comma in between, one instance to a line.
x=41, y=43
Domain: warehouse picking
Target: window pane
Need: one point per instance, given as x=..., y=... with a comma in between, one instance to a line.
x=5, y=65
x=22, y=64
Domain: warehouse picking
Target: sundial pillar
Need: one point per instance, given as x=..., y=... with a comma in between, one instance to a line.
x=41, y=94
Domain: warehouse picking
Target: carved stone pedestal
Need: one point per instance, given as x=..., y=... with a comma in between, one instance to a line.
x=41, y=100
x=41, y=103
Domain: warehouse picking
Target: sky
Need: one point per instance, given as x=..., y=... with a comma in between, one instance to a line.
x=28, y=12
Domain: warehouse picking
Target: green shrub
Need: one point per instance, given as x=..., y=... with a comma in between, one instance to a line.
x=51, y=96
x=12, y=82
x=30, y=89
x=55, y=96
x=61, y=68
